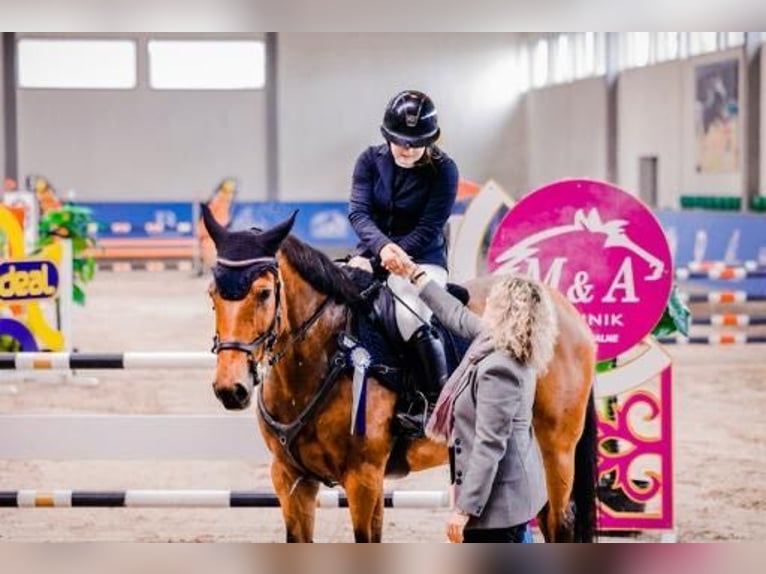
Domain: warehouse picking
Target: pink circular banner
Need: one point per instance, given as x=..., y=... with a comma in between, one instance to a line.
x=599, y=246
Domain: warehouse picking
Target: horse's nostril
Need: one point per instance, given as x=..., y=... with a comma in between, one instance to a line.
x=233, y=398
x=240, y=392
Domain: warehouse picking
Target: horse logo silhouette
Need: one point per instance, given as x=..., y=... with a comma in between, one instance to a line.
x=614, y=230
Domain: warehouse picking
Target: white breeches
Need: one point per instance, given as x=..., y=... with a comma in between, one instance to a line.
x=407, y=322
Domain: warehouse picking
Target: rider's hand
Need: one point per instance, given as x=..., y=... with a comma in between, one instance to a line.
x=394, y=259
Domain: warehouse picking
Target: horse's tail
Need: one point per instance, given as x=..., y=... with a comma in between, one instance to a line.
x=585, y=478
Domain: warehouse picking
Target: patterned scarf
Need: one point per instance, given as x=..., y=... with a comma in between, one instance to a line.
x=439, y=426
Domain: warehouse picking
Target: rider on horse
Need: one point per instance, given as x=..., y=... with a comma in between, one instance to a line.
x=402, y=196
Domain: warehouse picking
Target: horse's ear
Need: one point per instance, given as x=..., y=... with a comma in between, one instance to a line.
x=217, y=231
x=273, y=238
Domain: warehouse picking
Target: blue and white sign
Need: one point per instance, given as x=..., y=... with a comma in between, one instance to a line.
x=142, y=219
x=320, y=224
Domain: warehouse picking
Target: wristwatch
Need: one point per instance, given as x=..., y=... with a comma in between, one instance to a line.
x=416, y=275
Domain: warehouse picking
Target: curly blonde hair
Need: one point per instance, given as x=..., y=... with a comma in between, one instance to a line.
x=522, y=320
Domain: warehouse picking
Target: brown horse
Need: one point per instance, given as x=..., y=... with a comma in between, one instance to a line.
x=277, y=326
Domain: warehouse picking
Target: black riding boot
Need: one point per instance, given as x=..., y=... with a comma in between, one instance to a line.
x=433, y=362
x=432, y=370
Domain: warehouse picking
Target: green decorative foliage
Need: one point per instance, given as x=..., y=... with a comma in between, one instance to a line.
x=605, y=366
x=676, y=317
x=9, y=345
x=71, y=222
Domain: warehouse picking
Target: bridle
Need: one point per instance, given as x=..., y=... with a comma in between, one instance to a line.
x=269, y=337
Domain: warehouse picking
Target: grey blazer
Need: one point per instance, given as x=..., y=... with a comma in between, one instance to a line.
x=498, y=471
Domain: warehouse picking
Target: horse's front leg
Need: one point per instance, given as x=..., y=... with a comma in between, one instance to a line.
x=377, y=520
x=364, y=489
x=297, y=497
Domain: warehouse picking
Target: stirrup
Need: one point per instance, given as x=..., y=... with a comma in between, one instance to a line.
x=413, y=425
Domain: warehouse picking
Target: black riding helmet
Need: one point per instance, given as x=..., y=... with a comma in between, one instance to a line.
x=410, y=120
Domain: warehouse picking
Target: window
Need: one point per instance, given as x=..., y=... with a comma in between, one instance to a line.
x=683, y=45
x=564, y=57
x=540, y=65
x=667, y=46
x=733, y=39
x=207, y=65
x=562, y=68
x=640, y=47
x=623, y=52
x=600, y=51
x=76, y=64
x=702, y=42
x=635, y=50
x=585, y=55
x=523, y=71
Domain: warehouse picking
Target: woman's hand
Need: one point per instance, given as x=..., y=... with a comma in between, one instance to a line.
x=456, y=525
x=395, y=259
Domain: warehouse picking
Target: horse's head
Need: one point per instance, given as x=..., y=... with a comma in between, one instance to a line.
x=246, y=300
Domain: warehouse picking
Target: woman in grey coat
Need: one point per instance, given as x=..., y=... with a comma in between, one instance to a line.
x=485, y=410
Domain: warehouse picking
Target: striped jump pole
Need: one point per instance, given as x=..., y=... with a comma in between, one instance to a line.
x=730, y=320
x=94, y=361
x=151, y=265
x=732, y=273
x=698, y=266
x=715, y=339
x=419, y=499
x=723, y=297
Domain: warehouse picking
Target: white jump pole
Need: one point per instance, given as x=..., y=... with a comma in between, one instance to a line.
x=106, y=361
x=61, y=498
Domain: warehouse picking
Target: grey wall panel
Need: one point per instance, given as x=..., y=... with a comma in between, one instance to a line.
x=508, y=155
x=333, y=88
x=567, y=131
x=143, y=144
x=763, y=119
x=731, y=183
x=649, y=124
x=656, y=117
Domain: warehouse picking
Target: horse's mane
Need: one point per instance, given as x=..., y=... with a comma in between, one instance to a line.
x=320, y=272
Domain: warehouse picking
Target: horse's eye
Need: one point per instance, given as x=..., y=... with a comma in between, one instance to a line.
x=263, y=295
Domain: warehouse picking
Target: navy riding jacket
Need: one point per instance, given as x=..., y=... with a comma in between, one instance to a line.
x=407, y=206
